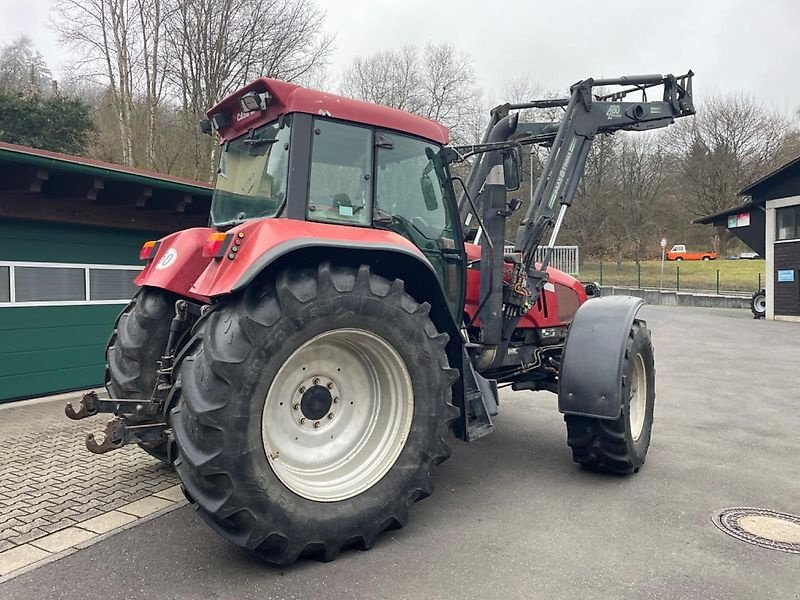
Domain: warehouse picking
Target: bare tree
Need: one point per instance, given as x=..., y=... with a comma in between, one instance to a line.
x=157, y=55
x=218, y=45
x=391, y=77
x=106, y=31
x=438, y=82
x=732, y=141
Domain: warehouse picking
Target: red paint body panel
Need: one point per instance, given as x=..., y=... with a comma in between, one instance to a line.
x=544, y=314
x=263, y=235
x=178, y=263
x=290, y=98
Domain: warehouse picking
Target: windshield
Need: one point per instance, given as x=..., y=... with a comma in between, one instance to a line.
x=251, y=180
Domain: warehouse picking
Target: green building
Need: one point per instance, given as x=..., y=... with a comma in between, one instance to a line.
x=70, y=233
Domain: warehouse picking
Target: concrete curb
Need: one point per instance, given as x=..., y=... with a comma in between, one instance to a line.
x=89, y=541
x=673, y=298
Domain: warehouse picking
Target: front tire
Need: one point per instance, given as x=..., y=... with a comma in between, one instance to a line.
x=620, y=445
x=258, y=452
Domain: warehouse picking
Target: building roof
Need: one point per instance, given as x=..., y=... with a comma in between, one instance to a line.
x=709, y=219
x=290, y=98
x=79, y=164
x=767, y=179
x=38, y=185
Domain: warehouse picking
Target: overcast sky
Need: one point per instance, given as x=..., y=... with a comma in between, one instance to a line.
x=730, y=44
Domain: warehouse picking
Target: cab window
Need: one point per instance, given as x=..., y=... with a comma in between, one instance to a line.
x=340, y=190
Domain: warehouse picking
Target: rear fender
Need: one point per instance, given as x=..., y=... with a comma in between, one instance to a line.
x=270, y=244
x=590, y=380
x=177, y=263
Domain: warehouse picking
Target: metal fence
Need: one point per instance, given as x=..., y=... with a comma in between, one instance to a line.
x=564, y=258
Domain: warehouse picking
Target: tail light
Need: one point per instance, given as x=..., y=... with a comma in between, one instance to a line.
x=149, y=250
x=215, y=245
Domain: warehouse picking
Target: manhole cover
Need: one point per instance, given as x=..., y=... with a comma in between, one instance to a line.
x=762, y=527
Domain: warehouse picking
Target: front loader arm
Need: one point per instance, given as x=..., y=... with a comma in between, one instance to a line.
x=586, y=115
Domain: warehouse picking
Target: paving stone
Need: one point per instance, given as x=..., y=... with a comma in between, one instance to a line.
x=48, y=480
x=25, y=528
x=21, y=556
x=29, y=536
x=108, y=521
x=58, y=526
x=145, y=506
x=61, y=540
x=5, y=545
x=173, y=493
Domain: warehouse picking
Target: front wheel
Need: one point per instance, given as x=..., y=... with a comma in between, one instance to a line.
x=312, y=411
x=620, y=445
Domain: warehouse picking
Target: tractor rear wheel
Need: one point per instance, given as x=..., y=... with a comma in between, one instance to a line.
x=312, y=411
x=136, y=345
x=620, y=445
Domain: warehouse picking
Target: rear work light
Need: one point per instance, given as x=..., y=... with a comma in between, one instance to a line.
x=215, y=245
x=149, y=250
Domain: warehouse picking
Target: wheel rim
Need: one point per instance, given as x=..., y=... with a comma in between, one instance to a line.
x=761, y=304
x=638, y=401
x=337, y=415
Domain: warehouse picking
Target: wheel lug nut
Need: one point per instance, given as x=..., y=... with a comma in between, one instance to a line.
x=316, y=380
x=330, y=385
x=316, y=424
x=330, y=415
x=296, y=406
x=302, y=389
x=302, y=420
x=336, y=399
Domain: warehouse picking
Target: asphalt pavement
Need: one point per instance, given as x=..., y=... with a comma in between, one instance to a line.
x=513, y=517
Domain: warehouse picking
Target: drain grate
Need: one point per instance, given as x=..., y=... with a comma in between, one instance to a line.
x=762, y=527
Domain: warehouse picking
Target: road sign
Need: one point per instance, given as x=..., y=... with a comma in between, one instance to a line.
x=663, y=242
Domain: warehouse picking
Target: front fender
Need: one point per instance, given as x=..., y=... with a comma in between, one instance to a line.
x=590, y=380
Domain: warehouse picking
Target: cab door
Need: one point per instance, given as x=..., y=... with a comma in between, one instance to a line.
x=414, y=197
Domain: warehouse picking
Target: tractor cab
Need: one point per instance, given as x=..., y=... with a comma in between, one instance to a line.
x=364, y=172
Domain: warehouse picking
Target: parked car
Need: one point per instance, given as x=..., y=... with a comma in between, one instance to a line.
x=678, y=252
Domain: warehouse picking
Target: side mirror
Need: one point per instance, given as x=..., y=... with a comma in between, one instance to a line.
x=428, y=193
x=512, y=169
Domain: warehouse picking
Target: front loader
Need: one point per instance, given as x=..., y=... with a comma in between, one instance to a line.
x=302, y=360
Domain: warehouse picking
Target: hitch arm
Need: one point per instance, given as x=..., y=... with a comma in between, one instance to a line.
x=117, y=434
x=91, y=404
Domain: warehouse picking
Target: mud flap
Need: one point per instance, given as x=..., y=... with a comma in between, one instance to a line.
x=590, y=381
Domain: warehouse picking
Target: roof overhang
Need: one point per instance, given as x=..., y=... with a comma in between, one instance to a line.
x=39, y=185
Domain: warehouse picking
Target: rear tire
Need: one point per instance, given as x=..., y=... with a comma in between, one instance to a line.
x=132, y=355
x=620, y=445
x=258, y=455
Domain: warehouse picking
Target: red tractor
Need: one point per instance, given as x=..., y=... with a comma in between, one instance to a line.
x=303, y=359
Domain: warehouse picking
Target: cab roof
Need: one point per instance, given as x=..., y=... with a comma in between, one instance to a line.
x=289, y=98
